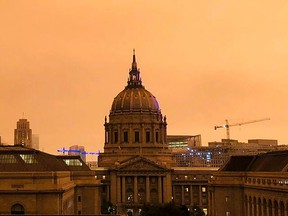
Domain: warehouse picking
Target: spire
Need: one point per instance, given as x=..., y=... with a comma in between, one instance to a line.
x=134, y=64
x=134, y=79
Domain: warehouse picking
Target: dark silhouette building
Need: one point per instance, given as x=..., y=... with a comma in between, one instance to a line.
x=23, y=133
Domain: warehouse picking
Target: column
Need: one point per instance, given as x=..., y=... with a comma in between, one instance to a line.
x=135, y=189
x=182, y=195
x=147, y=189
x=123, y=190
x=159, y=189
x=164, y=190
x=118, y=189
x=168, y=187
x=113, y=186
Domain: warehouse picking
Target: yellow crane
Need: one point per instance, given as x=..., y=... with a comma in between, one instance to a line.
x=227, y=125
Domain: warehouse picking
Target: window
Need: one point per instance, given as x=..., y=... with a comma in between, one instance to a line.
x=227, y=213
x=79, y=198
x=203, y=189
x=157, y=136
x=116, y=137
x=137, y=137
x=73, y=162
x=28, y=158
x=17, y=209
x=227, y=198
x=7, y=159
x=126, y=136
x=147, y=136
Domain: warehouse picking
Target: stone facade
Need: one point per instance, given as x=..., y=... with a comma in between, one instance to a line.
x=251, y=186
x=36, y=183
x=137, y=167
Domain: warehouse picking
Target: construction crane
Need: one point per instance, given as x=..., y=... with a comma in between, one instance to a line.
x=227, y=125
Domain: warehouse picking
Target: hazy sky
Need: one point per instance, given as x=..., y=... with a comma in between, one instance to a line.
x=62, y=63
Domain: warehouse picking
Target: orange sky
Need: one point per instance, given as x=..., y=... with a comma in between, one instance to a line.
x=62, y=63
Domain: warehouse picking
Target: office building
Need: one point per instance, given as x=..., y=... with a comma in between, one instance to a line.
x=23, y=133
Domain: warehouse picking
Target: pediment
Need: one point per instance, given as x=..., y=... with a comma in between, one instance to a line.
x=141, y=163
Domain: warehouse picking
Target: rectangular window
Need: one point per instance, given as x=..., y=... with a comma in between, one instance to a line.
x=157, y=136
x=147, y=136
x=137, y=137
x=126, y=136
x=116, y=137
x=79, y=198
x=73, y=162
x=7, y=159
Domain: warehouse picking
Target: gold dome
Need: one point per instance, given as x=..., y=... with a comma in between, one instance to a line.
x=135, y=99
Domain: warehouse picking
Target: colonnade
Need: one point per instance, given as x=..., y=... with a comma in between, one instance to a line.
x=265, y=207
x=136, y=196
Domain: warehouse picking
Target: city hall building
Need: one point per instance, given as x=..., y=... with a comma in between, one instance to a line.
x=137, y=165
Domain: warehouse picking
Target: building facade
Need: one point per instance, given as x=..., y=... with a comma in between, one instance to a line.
x=37, y=183
x=137, y=166
x=216, y=154
x=251, y=186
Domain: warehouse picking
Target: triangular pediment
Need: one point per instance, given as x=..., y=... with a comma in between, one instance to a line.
x=141, y=163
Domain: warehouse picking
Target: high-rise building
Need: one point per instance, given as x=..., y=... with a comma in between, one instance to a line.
x=23, y=133
x=35, y=141
x=78, y=150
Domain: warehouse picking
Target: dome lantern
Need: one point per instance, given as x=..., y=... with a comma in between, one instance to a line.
x=134, y=74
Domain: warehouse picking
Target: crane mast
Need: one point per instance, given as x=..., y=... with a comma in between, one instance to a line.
x=227, y=125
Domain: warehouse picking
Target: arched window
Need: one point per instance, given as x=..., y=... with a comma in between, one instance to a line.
x=259, y=207
x=282, y=209
x=254, y=206
x=264, y=207
x=17, y=209
x=250, y=205
x=269, y=207
x=275, y=207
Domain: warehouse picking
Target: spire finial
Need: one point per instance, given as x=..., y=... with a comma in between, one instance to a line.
x=134, y=64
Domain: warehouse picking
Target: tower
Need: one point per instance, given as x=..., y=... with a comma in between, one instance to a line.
x=135, y=125
x=136, y=164
x=23, y=133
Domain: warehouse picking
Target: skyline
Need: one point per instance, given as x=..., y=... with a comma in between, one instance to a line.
x=63, y=62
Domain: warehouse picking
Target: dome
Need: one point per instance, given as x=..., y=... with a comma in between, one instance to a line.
x=134, y=98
